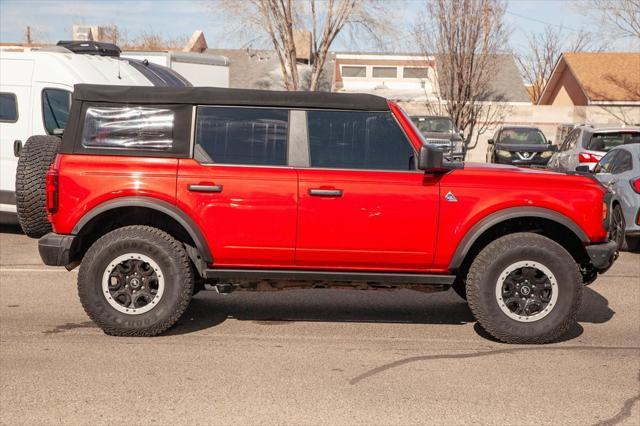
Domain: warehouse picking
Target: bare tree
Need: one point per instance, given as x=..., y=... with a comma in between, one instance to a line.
x=622, y=17
x=542, y=54
x=153, y=41
x=284, y=22
x=466, y=38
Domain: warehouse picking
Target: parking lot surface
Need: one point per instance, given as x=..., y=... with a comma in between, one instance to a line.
x=309, y=357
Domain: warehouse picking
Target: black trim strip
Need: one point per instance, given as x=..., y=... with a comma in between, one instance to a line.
x=162, y=206
x=8, y=197
x=302, y=275
x=511, y=213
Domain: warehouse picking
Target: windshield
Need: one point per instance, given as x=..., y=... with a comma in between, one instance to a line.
x=434, y=124
x=606, y=141
x=522, y=136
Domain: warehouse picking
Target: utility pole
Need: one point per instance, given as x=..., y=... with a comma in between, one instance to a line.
x=28, y=35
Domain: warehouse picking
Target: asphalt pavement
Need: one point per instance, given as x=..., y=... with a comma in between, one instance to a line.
x=308, y=357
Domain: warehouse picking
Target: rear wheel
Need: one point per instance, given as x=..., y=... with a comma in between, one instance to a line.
x=617, y=226
x=36, y=157
x=135, y=281
x=524, y=288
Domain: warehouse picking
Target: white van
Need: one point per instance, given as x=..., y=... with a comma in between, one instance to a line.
x=35, y=96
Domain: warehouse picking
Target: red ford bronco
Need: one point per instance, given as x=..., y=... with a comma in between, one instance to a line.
x=158, y=193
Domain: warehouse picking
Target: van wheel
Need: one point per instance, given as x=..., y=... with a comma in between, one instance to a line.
x=524, y=288
x=135, y=281
x=36, y=157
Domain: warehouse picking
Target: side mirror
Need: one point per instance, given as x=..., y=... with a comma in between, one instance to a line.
x=550, y=142
x=583, y=169
x=430, y=160
x=490, y=141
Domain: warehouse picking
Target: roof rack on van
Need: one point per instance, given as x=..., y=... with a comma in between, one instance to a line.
x=91, y=47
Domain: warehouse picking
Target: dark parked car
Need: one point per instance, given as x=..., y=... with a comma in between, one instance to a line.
x=520, y=146
x=442, y=133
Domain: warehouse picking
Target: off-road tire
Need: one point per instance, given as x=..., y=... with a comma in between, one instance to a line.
x=507, y=250
x=173, y=261
x=36, y=157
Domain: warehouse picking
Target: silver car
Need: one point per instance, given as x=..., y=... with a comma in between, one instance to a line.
x=586, y=145
x=619, y=170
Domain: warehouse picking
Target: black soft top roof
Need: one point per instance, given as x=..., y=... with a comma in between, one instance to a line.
x=222, y=96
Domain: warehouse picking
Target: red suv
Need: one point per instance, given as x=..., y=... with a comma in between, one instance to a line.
x=157, y=192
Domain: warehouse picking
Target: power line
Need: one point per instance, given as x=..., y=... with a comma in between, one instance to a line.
x=542, y=22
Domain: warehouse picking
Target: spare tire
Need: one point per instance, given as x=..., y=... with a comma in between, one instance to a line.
x=36, y=157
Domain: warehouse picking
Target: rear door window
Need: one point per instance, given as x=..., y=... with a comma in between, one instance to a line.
x=358, y=140
x=128, y=128
x=244, y=136
x=8, y=108
x=56, y=104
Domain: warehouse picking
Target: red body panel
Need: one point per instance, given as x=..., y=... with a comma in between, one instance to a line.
x=372, y=226
x=252, y=222
x=485, y=189
x=86, y=181
x=265, y=217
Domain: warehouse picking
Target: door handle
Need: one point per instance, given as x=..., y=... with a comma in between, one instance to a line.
x=316, y=192
x=17, y=147
x=205, y=188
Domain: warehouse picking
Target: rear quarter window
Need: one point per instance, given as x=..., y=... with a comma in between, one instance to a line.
x=8, y=108
x=129, y=128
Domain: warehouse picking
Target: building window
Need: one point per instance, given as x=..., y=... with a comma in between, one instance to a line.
x=385, y=72
x=8, y=108
x=358, y=140
x=348, y=71
x=415, y=72
x=251, y=136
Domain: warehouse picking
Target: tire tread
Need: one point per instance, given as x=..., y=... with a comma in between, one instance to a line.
x=488, y=255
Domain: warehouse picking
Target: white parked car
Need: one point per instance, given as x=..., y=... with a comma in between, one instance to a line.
x=35, y=96
x=585, y=145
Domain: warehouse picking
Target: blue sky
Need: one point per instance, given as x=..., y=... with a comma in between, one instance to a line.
x=52, y=20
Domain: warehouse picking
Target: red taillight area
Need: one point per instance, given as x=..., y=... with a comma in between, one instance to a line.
x=635, y=184
x=638, y=218
x=52, y=190
x=587, y=157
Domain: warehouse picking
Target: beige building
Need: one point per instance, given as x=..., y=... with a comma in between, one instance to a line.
x=594, y=78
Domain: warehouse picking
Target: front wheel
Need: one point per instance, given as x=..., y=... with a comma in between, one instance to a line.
x=524, y=288
x=135, y=281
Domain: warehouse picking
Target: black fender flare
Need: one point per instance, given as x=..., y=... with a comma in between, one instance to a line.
x=159, y=205
x=510, y=213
